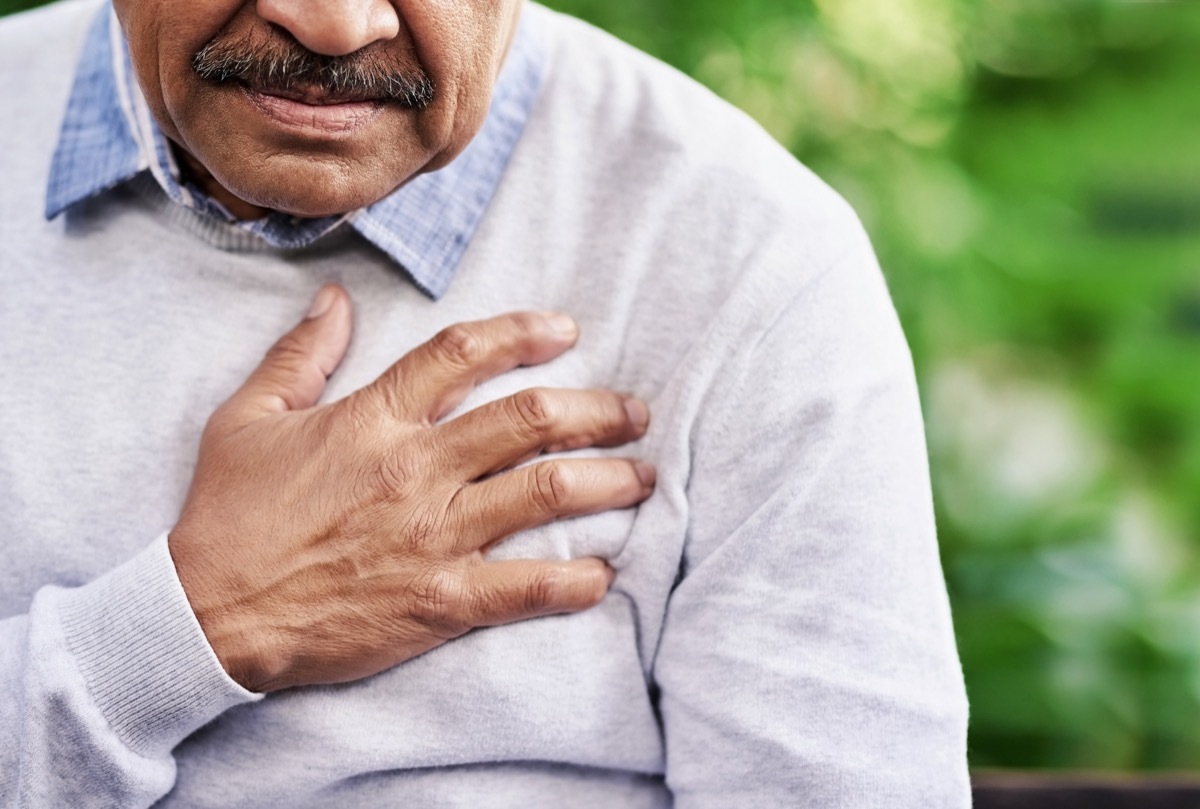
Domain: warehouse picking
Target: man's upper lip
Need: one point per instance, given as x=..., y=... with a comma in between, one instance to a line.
x=315, y=96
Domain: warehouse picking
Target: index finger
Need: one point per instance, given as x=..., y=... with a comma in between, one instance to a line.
x=434, y=378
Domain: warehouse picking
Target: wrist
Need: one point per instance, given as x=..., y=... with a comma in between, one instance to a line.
x=142, y=656
x=239, y=642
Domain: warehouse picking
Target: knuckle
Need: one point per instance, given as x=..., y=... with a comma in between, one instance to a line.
x=551, y=487
x=534, y=410
x=545, y=591
x=441, y=600
x=460, y=345
x=389, y=478
x=287, y=351
x=527, y=324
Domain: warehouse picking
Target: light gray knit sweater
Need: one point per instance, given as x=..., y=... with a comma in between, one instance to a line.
x=778, y=634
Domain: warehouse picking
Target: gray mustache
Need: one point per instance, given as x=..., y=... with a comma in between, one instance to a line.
x=274, y=62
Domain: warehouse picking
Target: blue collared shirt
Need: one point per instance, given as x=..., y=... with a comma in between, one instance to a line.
x=109, y=137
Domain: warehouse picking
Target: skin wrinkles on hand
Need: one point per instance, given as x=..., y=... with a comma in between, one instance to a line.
x=362, y=526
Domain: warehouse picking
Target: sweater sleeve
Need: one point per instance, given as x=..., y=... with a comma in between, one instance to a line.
x=807, y=657
x=99, y=683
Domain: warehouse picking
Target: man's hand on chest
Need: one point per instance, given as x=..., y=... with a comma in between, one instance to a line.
x=325, y=544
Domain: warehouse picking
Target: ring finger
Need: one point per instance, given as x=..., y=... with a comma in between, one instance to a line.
x=541, y=493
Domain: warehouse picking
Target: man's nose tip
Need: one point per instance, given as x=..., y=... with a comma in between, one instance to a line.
x=333, y=27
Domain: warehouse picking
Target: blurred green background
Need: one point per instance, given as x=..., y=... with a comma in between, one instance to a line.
x=1021, y=166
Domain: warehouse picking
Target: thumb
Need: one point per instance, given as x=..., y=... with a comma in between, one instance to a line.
x=292, y=375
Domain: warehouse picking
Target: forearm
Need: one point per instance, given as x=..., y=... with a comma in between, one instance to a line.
x=97, y=686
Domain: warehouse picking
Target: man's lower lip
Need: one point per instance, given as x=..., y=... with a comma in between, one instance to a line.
x=325, y=118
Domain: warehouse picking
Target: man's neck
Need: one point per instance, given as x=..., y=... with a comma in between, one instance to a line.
x=195, y=172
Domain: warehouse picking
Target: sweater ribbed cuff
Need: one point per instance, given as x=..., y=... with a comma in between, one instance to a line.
x=143, y=655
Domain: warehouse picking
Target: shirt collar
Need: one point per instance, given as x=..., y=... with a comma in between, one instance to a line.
x=109, y=137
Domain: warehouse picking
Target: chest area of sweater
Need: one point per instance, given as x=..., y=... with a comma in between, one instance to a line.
x=104, y=397
x=108, y=381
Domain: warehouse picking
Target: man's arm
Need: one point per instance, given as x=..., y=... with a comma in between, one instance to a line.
x=317, y=545
x=807, y=657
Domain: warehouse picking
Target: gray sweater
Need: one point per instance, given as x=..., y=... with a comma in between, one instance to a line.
x=778, y=634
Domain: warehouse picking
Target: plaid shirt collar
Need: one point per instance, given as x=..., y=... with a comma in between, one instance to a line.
x=109, y=136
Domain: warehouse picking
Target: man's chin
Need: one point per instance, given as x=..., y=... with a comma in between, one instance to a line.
x=306, y=190
x=320, y=164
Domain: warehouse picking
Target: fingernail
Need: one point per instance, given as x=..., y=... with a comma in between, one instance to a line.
x=322, y=303
x=646, y=473
x=638, y=413
x=563, y=324
x=611, y=574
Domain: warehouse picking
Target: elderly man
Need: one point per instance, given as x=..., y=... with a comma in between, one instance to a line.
x=351, y=532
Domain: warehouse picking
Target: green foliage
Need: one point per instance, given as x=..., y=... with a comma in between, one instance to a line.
x=1021, y=166
x=12, y=6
